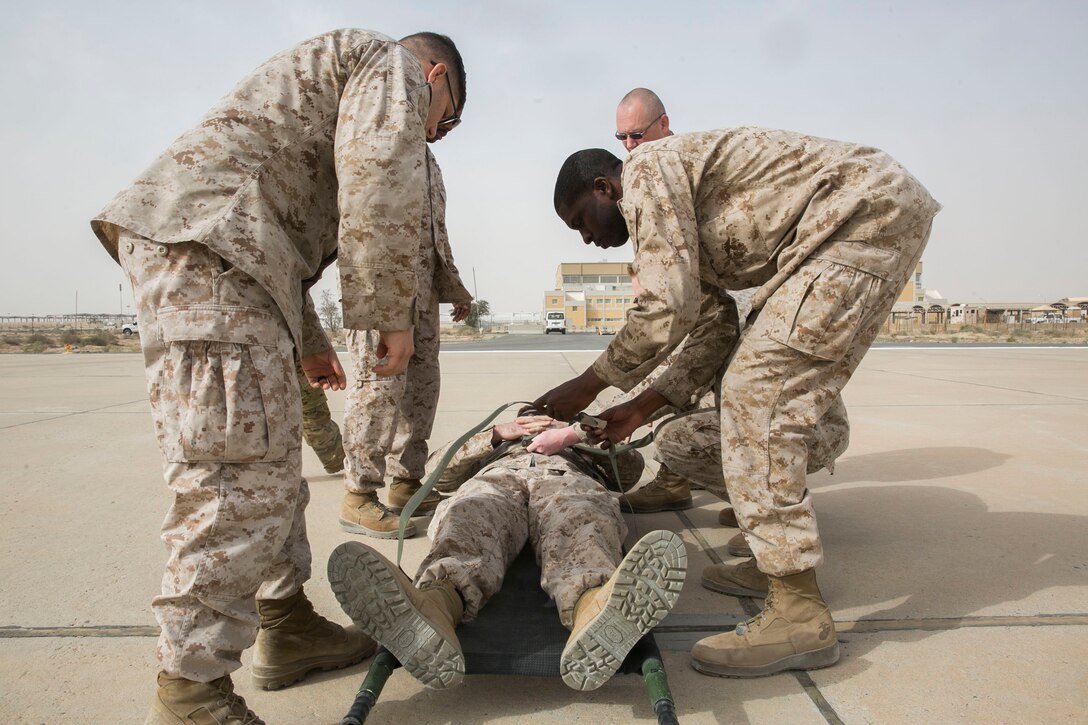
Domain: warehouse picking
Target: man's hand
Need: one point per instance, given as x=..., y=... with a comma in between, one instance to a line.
x=323, y=370
x=552, y=441
x=460, y=311
x=523, y=425
x=625, y=418
x=397, y=347
x=564, y=401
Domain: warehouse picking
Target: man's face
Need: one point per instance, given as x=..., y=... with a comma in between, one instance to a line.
x=597, y=218
x=634, y=118
x=442, y=115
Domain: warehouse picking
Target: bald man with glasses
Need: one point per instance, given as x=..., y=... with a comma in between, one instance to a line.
x=640, y=118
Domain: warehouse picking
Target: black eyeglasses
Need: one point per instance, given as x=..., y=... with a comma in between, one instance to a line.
x=637, y=135
x=450, y=122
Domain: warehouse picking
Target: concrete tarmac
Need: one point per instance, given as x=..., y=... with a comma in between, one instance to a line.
x=955, y=529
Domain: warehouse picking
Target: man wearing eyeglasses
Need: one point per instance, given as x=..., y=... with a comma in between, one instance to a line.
x=319, y=155
x=388, y=419
x=640, y=118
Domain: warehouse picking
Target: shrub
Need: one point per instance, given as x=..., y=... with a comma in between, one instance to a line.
x=69, y=337
x=38, y=338
x=11, y=339
x=101, y=339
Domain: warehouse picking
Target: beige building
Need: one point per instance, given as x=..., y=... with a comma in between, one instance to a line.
x=594, y=295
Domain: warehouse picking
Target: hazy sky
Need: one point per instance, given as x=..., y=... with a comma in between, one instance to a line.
x=985, y=102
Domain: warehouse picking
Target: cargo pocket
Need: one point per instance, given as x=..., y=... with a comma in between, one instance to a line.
x=819, y=309
x=223, y=386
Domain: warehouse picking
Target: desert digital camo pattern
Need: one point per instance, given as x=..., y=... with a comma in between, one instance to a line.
x=388, y=420
x=318, y=155
x=507, y=496
x=691, y=445
x=221, y=380
x=829, y=232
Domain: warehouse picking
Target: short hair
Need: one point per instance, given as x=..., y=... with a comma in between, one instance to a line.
x=439, y=49
x=578, y=172
x=647, y=98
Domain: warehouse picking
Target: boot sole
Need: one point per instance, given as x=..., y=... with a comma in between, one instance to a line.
x=647, y=585
x=372, y=595
x=353, y=528
x=804, y=661
x=675, y=506
x=276, y=678
x=734, y=590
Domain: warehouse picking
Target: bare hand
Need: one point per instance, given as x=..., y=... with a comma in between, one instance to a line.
x=324, y=371
x=565, y=400
x=460, y=311
x=523, y=425
x=552, y=441
x=623, y=420
x=397, y=347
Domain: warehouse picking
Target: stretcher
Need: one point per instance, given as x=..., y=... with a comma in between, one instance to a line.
x=519, y=633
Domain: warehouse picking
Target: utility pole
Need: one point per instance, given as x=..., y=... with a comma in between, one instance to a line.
x=475, y=291
x=120, y=304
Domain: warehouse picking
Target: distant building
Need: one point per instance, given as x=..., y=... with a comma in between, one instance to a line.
x=594, y=295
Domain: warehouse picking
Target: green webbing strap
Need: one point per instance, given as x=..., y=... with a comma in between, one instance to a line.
x=428, y=485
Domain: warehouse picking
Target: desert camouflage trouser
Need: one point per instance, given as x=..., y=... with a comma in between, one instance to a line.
x=789, y=368
x=388, y=420
x=691, y=445
x=573, y=523
x=219, y=361
x=318, y=428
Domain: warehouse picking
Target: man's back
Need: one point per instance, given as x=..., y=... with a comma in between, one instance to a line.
x=263, y=178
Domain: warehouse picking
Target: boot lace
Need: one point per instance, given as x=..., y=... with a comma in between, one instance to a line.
x=236, y=705
x=768, y=605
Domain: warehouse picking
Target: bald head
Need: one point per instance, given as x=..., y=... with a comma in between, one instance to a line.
x=641, y=113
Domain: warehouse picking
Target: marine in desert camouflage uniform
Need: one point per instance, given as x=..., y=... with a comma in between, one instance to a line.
x=689, y=448
x=829, y=233
x=318, y=155
x=390, y=418
x=509, y=490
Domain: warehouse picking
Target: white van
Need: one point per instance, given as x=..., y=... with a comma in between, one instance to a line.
x=555, y=322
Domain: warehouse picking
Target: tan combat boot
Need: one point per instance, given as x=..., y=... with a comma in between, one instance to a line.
x=294, y=641
x=609, y=620
x=738, y=546
x=416, y=625
x=728, y=517
x=184, y=702
x=363, y=513
x=793, y=632
x=740, y=580
x=402, y=489
x=667, y=492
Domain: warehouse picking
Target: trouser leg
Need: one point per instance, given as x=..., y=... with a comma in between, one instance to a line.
x=370, y=415
x=690, y=446
x=318, y=428
x=577, y=531
x=416, y=411
x=789, y=368
x=476, y=534
x=219, y=362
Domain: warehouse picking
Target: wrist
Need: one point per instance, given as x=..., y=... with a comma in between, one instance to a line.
x=648, y=402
